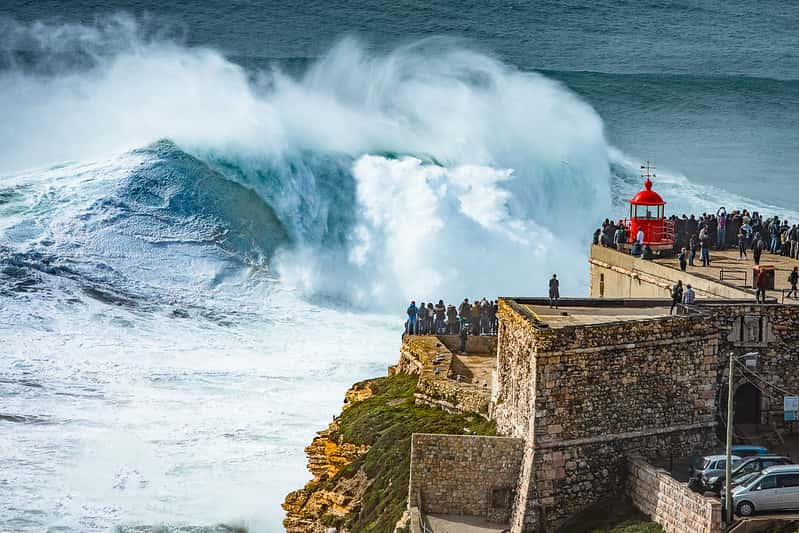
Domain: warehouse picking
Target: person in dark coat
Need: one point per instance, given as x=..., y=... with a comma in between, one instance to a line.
x=683, y=259
x=757, y=251
x=793, y=279
x=554, y=291
x=676, y=296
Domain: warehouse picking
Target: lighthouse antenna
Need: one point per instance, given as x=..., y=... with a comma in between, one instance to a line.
x=649, y=170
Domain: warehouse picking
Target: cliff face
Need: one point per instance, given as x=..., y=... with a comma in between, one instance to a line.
x=311, y=508
x=361, y=462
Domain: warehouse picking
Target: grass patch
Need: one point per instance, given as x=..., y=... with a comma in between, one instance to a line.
x=612, y=516
x=385, y=422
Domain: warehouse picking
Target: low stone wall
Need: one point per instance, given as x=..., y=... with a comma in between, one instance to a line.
x=474, y=343
x=418, y=357
x=465, y=475
x=618, y=275
x=671, y=503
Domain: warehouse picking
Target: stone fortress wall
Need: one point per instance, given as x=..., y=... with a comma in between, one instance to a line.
x=584, y=396
x=471, y=475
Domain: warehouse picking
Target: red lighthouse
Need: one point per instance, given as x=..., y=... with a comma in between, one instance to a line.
x=647, y=213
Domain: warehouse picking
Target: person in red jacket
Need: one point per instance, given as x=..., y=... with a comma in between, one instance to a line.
x=761, y=282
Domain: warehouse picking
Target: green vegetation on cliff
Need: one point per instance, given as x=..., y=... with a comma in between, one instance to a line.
x=385, y=422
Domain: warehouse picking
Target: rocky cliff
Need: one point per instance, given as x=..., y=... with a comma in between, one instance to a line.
x=360, y=463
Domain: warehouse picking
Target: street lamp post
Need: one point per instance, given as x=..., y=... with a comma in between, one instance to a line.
x=750, y=357
x=728, y=465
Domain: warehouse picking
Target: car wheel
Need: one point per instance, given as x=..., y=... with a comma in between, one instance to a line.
x=746, y=509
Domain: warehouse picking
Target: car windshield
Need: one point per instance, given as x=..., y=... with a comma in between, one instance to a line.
x=752, y=482
x=706, y=464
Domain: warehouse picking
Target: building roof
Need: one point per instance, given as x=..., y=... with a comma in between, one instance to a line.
x=589, y=311
x=647, y=196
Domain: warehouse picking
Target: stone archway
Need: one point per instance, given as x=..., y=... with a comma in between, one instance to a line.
x=746, y=405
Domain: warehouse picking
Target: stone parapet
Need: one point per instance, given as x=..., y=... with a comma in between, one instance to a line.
x=671, y=503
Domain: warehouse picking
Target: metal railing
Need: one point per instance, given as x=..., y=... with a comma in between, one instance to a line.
x=734, y=274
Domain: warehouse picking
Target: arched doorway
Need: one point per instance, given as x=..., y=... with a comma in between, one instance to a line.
x=746, y=404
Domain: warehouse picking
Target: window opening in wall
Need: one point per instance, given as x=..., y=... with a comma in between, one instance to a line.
x=501, y=498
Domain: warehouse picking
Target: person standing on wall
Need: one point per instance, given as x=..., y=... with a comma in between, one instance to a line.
x=554, y=291
x=412, y=313
x=793, y=279
x=676, y=296
x=465, y=311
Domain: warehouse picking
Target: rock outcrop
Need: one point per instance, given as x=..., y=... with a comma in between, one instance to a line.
x=311, y=508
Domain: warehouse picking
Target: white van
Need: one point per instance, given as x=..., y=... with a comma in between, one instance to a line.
x=775, y=489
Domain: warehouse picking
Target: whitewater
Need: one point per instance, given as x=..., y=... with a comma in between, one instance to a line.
x=196, y=259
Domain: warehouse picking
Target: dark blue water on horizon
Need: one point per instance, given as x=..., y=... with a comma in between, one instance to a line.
x=706, y=89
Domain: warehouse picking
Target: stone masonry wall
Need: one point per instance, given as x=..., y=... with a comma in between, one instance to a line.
x=568, y=478
x=465, y=475
x=670, y=503
x=618, y=275
x=418, y=357
x=584, y=397
x=773, y=332
x=626, y=377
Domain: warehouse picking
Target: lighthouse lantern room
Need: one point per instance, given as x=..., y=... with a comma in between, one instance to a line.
x=647, y=212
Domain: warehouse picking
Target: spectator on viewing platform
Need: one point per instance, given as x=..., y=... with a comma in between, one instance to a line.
x=647, y=254
x=421, y=320
x=465, y=312
x=554, y=291
x=774, y=232
x=485, y=317
x=759, y=246
x=412, y=311
x=793, y=241
x=793, y=279
x=464, y=337
x=452, y=320
x=597, y=239
x=440, y=312
x=619, y=237
x=676, y=295
x=430, y=317
x=761, y=282
x=495, y=317
x=476, y=317
x=692, y=246
x=688, y=297
x=639, y=237
x=741, y=244
x=636, y=249
x=721, y=228
x=704, y=250
x=682, y=258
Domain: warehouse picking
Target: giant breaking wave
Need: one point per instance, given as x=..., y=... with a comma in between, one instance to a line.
x=430, y=169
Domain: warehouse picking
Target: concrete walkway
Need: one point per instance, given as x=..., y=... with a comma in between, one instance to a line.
x=462, y=524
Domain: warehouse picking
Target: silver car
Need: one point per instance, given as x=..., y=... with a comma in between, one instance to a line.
x=775, y=489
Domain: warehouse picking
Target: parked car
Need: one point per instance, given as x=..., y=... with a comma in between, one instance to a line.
x=711, y=465
x=775, y=489
x=715, y=481
x=744, y=450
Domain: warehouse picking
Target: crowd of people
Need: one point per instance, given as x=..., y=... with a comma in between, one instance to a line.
x=695, y=237
x=476, y=318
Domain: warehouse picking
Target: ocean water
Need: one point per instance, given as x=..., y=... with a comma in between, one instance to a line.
x=212, y=216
